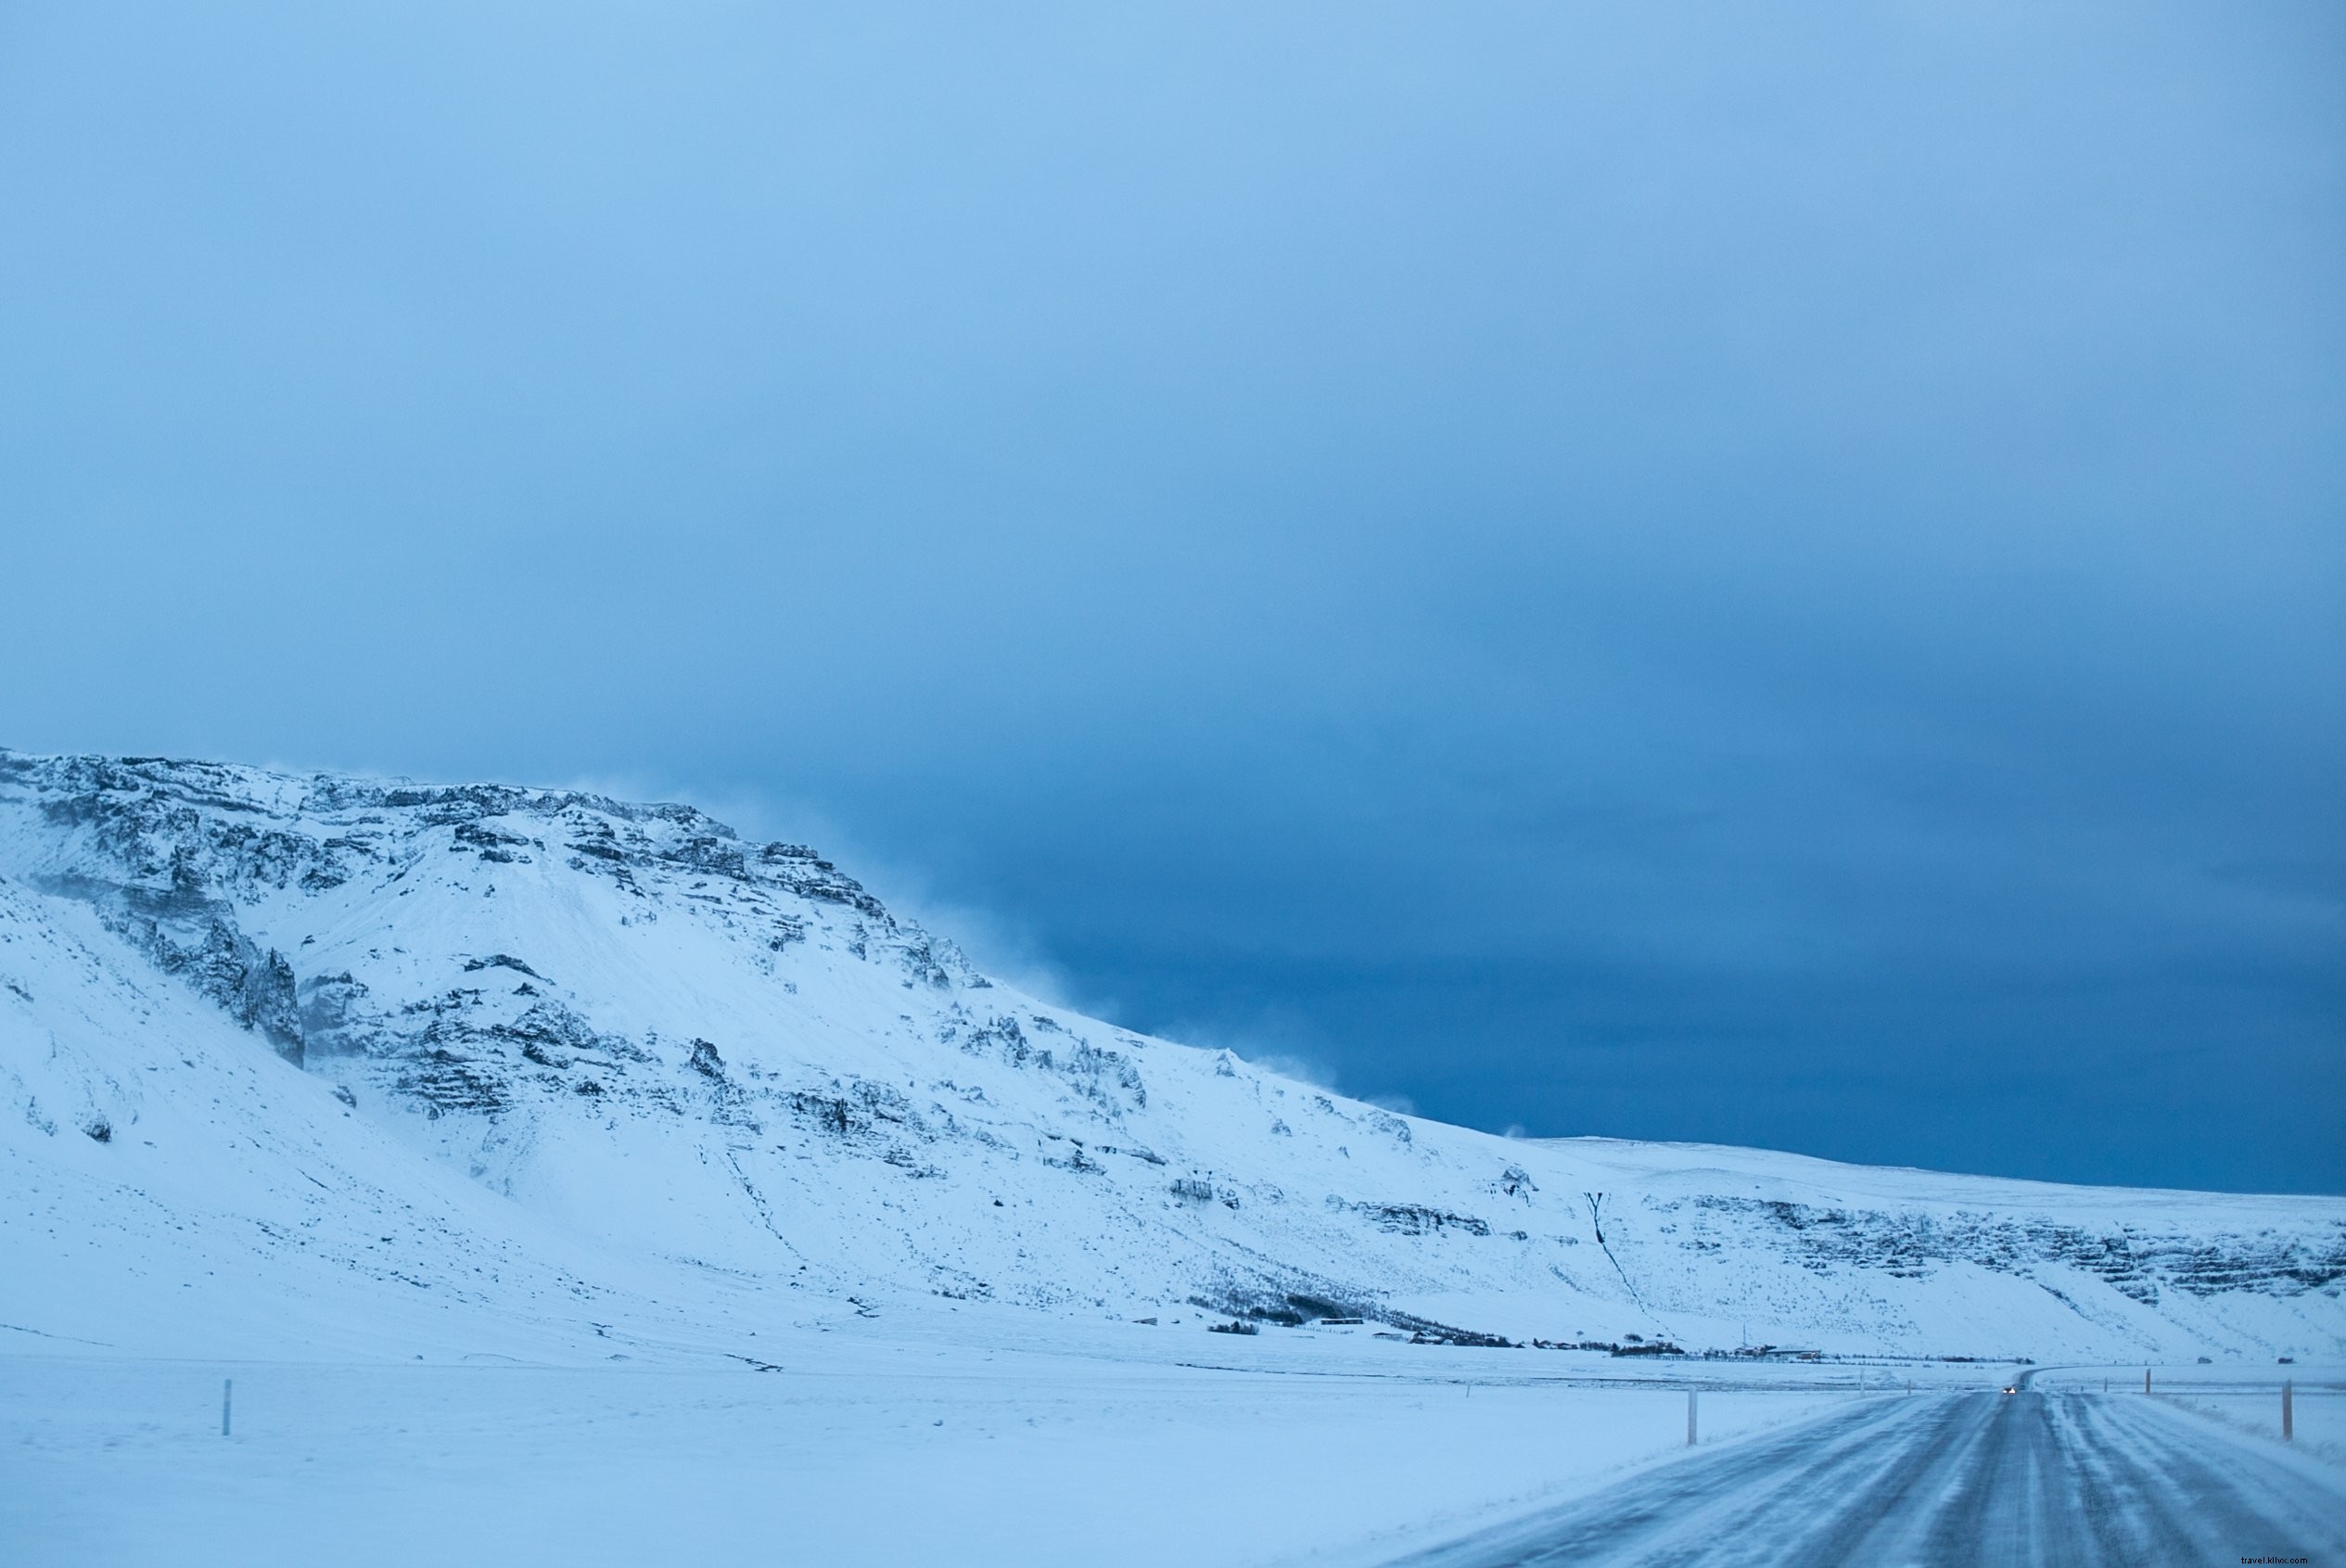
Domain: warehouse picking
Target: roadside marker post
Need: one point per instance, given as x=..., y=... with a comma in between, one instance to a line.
x=2146, y=1380
x=1689, y=1417
x=228, y=1388
x=2288, y=1415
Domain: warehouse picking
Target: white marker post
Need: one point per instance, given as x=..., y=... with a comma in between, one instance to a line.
x=2146, y=1380
x=1689, y=1417
x=2288, y=1415
x=228, y=1388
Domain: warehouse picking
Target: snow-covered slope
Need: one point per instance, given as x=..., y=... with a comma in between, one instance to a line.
x=514, y=1051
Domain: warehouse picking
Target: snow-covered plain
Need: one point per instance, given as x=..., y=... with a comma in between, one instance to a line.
x=570, y=1175
x=859, y=1451
x=2248, y=1401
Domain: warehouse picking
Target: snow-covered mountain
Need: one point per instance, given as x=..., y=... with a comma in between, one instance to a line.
x=516, y=1051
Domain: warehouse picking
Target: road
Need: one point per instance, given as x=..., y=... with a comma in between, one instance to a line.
x=1949, y=1480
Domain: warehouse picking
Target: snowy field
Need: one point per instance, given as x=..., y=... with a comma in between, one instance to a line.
x=1187, y=1449
x=2244, y=1400
x=2253, y=1406
x=2320, y=1414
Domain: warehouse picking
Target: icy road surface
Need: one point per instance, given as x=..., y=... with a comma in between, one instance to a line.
x=2028, y=1478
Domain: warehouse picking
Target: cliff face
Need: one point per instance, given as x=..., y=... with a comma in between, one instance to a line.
x=632, y=1030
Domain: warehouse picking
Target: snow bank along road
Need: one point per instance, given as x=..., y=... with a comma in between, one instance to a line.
x=2049, y=1477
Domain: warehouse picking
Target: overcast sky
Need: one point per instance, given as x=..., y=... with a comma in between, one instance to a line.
x=1753, y=574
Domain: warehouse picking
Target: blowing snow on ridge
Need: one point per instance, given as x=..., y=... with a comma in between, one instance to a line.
x=521, y=1055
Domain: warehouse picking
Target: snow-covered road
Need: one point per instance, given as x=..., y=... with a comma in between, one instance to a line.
x=2029, y=1478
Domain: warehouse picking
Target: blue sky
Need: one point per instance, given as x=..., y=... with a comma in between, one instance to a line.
x=1684, y=572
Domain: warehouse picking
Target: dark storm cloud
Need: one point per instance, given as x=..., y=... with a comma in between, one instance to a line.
x=1677, y=572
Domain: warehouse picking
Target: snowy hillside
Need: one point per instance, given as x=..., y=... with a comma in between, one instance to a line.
x=510, y=1051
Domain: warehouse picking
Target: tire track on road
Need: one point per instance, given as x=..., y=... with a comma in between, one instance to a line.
x=2029, y=1479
